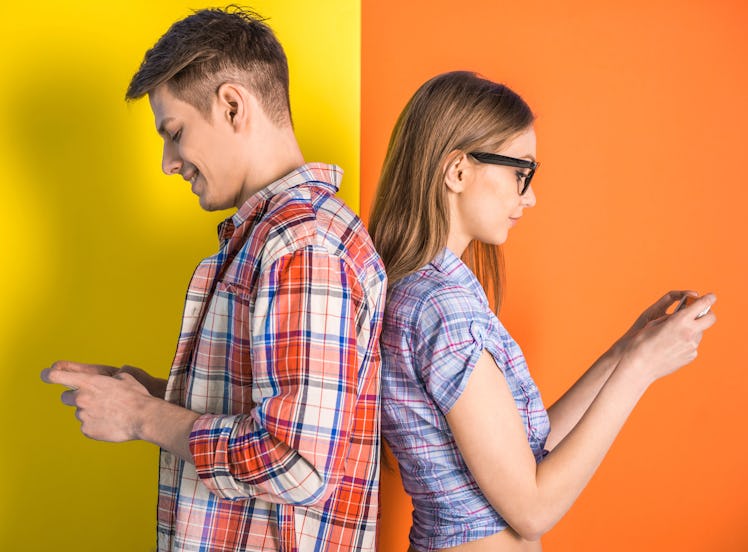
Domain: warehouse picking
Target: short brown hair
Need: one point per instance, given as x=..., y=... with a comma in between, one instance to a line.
x=212, y=46
x=457, y=111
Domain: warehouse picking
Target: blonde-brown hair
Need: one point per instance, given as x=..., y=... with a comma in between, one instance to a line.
x=212, y=46
x=457, y=111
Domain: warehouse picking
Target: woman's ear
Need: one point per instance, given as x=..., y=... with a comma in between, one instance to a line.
x=454, y=171
x=234, y=105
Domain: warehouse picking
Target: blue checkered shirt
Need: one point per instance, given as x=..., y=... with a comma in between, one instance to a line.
x=437, y=323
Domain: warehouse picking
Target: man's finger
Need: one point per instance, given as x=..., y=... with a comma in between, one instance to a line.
x=77, y=367
x=85, y=368
x=68, y=397
x=64, y=377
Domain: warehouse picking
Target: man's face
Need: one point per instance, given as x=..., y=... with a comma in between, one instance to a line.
x=206, y=151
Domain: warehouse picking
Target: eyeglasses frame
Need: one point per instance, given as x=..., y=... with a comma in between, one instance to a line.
x=505, y=161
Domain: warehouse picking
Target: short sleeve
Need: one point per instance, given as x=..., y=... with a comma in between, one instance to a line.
x=448, y=340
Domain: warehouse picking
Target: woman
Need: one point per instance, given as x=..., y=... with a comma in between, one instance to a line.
x=486, y=466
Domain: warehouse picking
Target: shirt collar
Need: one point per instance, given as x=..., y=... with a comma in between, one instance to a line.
x=452, y=267
x=321, y=174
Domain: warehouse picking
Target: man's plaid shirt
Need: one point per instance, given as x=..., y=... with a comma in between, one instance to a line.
x=279, y=350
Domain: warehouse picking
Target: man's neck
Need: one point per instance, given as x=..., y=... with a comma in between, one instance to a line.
x=276, y=155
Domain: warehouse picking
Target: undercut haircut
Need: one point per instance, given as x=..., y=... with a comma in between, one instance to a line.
x=211, y=47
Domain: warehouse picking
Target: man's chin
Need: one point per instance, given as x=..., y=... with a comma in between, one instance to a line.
x=205, y=204
x=210, y=206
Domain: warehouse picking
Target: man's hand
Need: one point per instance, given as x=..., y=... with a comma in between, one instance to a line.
x=109, y=403
x=68, y=366
x=155, y=386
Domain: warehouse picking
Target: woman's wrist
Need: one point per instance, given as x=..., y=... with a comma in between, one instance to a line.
x=635, y=369
x=609, y=359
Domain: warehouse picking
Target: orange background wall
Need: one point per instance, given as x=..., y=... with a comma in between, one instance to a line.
x=642, y=118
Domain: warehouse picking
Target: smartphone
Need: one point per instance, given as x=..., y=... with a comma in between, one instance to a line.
x=687, y=300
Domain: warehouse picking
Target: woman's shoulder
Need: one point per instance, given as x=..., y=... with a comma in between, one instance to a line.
x=427, y=286
x=427, y=299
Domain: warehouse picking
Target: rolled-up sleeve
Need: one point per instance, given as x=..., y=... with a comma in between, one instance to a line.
x=448, y=340
x=292, y=446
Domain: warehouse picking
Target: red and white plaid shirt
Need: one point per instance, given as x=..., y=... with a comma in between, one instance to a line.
x=279, y=350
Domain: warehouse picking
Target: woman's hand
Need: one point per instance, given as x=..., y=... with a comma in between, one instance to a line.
x=654, y=312
x=568, y=410
x=666, y=343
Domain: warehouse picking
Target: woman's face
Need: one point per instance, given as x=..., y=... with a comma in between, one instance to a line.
x=484, y=198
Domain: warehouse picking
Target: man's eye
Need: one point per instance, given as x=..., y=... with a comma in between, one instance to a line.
x=175, y=137
x=520, y=176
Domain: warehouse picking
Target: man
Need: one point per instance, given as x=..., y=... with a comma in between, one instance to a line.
x=269, y=421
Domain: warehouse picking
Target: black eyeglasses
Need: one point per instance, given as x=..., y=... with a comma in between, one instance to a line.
x=496, y=159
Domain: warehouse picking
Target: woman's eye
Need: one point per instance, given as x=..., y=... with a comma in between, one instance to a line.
x=175, y=137
x=520, y=176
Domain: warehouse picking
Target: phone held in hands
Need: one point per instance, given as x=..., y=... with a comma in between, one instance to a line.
x=687, y=300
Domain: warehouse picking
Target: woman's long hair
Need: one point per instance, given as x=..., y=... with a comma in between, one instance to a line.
x=457, y=111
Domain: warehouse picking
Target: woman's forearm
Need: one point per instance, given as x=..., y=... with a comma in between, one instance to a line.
x=564, y=473
x=492, y=436
x=569, y=409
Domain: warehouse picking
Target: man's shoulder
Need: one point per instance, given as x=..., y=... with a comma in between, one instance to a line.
x=309, y=216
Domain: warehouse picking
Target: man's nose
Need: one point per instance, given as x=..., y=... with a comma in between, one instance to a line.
x=171, y=163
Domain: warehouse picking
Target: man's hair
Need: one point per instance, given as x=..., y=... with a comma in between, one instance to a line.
x=213, y=46
x=457, y=111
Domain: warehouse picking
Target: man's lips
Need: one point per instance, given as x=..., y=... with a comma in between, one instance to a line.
x=191, y=177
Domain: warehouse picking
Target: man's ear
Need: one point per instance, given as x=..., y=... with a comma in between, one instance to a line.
x=234, y=105
x=454, y=171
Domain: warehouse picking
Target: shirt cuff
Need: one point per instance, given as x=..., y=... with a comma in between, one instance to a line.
x=209, y=445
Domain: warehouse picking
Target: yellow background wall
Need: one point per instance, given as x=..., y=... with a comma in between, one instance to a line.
x=98, y=246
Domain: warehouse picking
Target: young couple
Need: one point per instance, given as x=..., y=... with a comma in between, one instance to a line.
x=269, y=423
